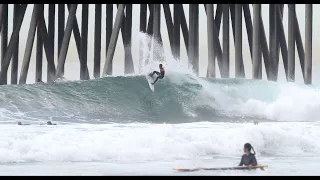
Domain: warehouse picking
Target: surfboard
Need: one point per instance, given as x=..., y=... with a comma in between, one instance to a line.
x=150, y=80
x=223, y=168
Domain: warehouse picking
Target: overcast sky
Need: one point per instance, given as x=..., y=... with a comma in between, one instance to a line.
x=72, y=61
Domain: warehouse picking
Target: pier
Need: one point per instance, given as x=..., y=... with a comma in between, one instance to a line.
x=228, y=28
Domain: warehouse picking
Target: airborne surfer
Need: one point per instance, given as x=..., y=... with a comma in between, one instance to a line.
x=248, y=159
x=160, y=74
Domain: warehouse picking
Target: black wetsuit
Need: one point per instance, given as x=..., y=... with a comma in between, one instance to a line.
x=160, y=74
x=248, y=160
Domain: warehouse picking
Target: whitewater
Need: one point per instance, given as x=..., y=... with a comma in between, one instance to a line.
x=116, y=125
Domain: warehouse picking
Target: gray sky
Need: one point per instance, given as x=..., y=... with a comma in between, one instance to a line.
x=72, y=61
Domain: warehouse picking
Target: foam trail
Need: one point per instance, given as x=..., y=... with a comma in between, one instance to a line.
x=114, y=142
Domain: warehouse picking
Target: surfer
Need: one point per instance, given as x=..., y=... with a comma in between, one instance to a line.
x=39, y=80
x=48, y=123
x=160, y=74
x=20, y=123
x=248, y=159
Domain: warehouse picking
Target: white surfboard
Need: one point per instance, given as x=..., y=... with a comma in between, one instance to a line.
x=150, y=80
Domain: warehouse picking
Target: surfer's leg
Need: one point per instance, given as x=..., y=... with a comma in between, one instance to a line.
x=155, y=80
x=155, y=72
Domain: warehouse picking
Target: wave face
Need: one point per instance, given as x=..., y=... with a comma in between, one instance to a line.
x=178, y=98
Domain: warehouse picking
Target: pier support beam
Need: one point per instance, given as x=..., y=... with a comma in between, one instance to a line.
x=168, y=17
x=225, y=42
x=107, y=69
x=4, y=37
x=61, y=27
x=291, y=42
x=184, y=28
x=176, y=30
x=77, y=38
x=156, y=31
x=193, y=46
x=150, y=20
x=273, y=41
x=51, y=32
x=84, y=42
x=66, y=40
x=2, y=6
x=299, y=43
x=248, y=23
x=15, y=57
x=211, y=70
x=143, y=29
x=149, y=32
x=239, y=69
x=218, y=17
x=128, y=61
x=29, y=46
x=97, y=41
x=46, y=42
x=308, y=44
x=39, y=56
x=234, y=29
x=257, y=67
x=13, y=41
x=217, y=45
x=282, y=39
x=109, y=27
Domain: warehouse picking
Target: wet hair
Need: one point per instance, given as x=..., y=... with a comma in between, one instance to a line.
x=49, y=123
x=160, y=65
x=249, y=147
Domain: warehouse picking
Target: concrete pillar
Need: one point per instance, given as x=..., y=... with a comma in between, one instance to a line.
x=291, y=43
x=211, y=48
x=257, y=73
x=308, y=44
x=97, y=41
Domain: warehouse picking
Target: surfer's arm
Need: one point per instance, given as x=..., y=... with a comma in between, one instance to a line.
x=241, y=162
x=253, y=160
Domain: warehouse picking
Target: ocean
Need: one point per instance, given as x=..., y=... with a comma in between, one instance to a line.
x=118, y=126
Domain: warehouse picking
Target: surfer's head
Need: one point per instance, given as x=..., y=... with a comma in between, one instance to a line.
x=160, y=65
x=247, y=148
x=19, y=123
x=49, y=123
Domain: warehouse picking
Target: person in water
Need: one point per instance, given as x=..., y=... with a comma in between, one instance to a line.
x=248, y=159
x=39, y=80
x=160, y=74
x=48, y=123
x=20, y=123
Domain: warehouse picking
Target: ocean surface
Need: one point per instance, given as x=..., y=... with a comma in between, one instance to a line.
x=117, y=126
